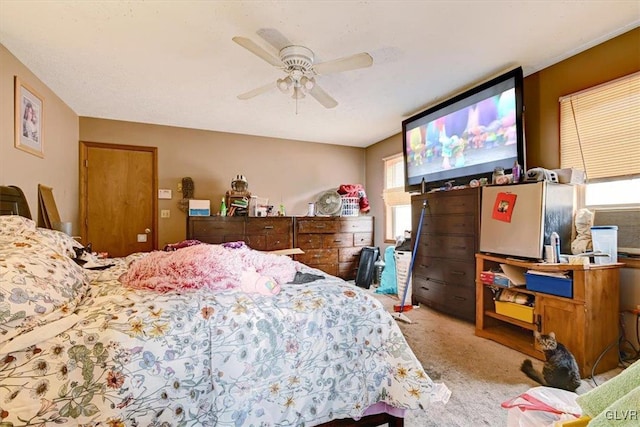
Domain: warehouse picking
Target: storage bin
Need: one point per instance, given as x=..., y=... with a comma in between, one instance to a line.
x=486, y=277
x=517, y=311
x=605, y=240
x=550, y=285
x=350, y=206
x=403, y=261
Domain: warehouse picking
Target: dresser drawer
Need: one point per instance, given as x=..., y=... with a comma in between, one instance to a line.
x=348, y=270
x=338, y=240
x=314, y=257
x=217, y=227
x=449, y=224
x=452, y=203
x=441, y=246
x=268, y=242
x=309, y=241
x=331, y=269
x=461, y=273
x=457, y=300
x=362, y=239
x=317, y=225
x=354, y=225
x=268, y=225
x=349, y=254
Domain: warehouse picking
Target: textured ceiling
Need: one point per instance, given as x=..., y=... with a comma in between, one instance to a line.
x=174, y=63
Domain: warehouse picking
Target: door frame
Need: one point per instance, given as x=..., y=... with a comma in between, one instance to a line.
x=84, y=151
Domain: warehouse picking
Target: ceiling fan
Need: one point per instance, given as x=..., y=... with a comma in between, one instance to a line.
x=298, y=64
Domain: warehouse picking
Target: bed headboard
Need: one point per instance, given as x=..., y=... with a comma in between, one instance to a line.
x=13, y=202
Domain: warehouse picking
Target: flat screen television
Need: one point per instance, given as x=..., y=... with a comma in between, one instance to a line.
x=467, y=136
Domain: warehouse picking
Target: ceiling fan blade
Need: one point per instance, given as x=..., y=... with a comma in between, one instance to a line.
x=359, y=60
x=274, y=38
x=257, y=50
x=257, y=91
x=323, y=97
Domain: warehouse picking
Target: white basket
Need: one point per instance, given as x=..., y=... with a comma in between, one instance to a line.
x=403, y=260
x=350, y=206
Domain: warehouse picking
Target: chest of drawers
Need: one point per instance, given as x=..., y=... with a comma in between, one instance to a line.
x=444, y=267
x=333, y=244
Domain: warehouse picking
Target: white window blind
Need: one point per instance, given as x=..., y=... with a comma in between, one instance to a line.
x=397, y=201
x=600, y=130
x=393, y=193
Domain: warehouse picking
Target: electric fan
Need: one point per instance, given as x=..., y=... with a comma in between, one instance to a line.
x=329, y=203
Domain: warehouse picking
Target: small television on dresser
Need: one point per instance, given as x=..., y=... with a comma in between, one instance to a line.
x=467, y=136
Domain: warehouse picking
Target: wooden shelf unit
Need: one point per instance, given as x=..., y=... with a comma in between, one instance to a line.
x=586, y=324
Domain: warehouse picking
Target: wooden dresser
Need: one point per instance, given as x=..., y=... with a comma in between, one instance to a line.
x=261, y=233
x=333, y=244
x=444, y=267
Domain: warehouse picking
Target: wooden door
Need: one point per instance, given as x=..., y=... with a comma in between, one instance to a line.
x=118, y=206
x=567, y=320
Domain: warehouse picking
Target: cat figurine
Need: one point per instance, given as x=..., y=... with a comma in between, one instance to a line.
x=560, y=369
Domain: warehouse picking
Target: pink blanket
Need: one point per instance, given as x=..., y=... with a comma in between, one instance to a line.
x=205, y=266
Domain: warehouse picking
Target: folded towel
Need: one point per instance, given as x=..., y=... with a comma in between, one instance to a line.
x=597, y=400
x=622, y=413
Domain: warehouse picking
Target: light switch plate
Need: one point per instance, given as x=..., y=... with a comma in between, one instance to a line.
x=164, y=193
x=142, y=238
x=165, y=213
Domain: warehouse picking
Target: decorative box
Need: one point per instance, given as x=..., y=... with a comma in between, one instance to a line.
x=199, y=207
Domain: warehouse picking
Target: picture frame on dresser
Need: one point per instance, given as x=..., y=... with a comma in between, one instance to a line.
x=29, y=119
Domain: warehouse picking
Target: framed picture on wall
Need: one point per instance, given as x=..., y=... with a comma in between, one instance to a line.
x=29, y=123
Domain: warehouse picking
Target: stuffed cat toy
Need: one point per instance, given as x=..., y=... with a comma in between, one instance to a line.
x=560, y=369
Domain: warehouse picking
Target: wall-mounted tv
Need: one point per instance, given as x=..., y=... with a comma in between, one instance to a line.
x=467, y=136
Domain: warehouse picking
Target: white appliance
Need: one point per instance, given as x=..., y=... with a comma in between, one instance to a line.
x=538, y=209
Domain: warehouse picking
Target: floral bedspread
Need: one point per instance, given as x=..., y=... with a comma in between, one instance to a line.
x=314, y=352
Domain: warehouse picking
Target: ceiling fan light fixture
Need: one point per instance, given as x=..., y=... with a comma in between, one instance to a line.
x=284, y=84
x=307, y=83
x=298, y=93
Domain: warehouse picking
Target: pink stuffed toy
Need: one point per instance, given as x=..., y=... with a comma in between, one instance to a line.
x=252, y=282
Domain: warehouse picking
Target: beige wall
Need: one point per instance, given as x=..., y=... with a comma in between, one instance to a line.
x=286, y=171
x=59, y=167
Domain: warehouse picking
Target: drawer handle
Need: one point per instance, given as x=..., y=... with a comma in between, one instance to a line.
x=460, y=247
x=268, y=227
x=317, y=256
x=320, y=226
x=459, y=298
x=424, y=287
x=277, y=242
x=458, y=273
x=309, y=241
x=337, y=241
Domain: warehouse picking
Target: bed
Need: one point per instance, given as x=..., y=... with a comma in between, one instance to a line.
x=78, y=346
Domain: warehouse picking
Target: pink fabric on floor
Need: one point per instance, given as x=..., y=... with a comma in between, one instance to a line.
x=382, y=407
x=205, y=266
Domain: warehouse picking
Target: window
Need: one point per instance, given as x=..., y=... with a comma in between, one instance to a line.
x=397, y=202
x=600, y=134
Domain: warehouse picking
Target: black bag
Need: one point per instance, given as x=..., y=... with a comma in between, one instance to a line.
x=366, y=267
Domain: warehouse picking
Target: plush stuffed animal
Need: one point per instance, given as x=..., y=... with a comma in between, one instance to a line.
x=252, y=282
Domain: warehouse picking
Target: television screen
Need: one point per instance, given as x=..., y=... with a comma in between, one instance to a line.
x=467, y=136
